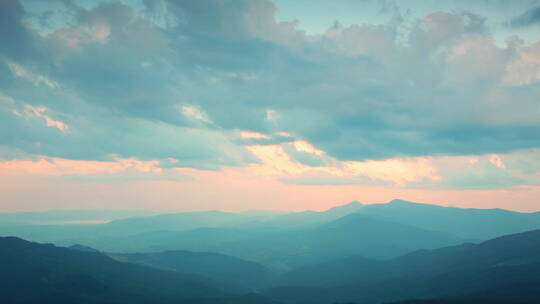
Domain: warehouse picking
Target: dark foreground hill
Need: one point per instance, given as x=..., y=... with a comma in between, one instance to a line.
x=230, y=272
x=43, y=273
x=501, y=270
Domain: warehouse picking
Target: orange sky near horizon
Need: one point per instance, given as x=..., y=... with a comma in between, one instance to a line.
x=45, y=184
x=268, y=105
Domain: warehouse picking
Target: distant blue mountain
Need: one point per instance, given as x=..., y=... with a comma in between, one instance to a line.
x=59, y=217
x=349, y=235
x=472, y=224
x=284, y=241
x=283, y=249
x=220, y=219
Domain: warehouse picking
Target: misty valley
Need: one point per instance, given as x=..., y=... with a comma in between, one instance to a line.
x=397, y=252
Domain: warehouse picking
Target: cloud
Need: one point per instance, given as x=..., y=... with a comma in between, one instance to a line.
x=330, y=180
x=300, y=163
x=128, y=177
x=100, y=135
x=487, y=177
x=304, y=157
x=491, y=171
x=22, y=72
x=525, y=69
x=17, y=41
x=179, y=79
x=194, y=113
x=528, y=18
x=31, y=112
x=59, y=166
x=119, y=170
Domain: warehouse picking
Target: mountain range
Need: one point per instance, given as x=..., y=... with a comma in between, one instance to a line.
x=465, y=223
x=231, y=273
x=284, y=241
x=44, y=273
x=501, y=270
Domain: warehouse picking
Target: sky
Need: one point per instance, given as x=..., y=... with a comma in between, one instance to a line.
x=257, y=104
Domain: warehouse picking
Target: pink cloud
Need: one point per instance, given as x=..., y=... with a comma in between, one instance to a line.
x=275, y=161
x=40, y=184
x=45, y=166
x=526, y=68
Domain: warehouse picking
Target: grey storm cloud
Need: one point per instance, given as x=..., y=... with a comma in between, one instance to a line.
x=528, y=18
x=174, y=79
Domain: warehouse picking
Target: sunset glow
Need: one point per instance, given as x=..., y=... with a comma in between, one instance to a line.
x=262, y=105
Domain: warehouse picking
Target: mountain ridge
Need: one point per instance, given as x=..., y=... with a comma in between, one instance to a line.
x=461, y=271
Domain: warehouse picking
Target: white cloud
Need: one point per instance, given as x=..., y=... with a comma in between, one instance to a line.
x=194, y=112
x=39, y=111
x=36, y=79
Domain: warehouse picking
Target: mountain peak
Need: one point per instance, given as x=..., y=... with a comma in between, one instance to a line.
x=342, y=210
x=83, y=248
x=352, y=206
x=401, y=202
